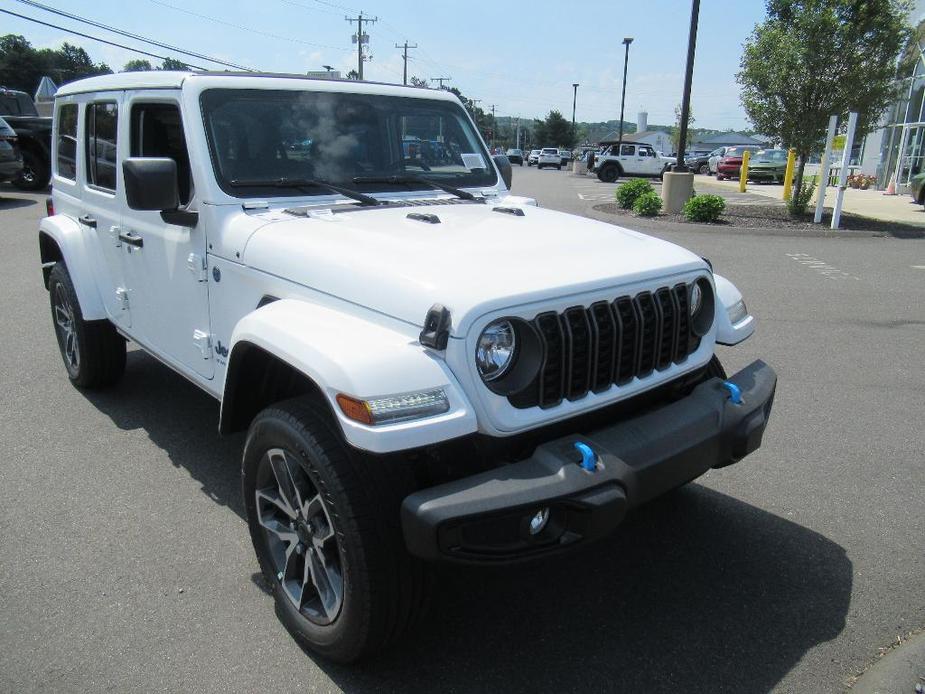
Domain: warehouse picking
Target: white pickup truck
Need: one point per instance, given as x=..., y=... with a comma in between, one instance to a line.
x=630, y=159
x=428, y=368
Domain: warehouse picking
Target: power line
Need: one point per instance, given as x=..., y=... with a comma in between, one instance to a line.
x=405, y=55
x=130, y=35
x=216, y=20
x=441, y=80
x=94, y=38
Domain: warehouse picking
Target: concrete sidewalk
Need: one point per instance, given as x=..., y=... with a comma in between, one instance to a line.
x=899, y=671
x=866, y=203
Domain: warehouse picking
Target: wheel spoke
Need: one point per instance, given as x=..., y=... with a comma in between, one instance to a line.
x=326, y=579
x=288, y=489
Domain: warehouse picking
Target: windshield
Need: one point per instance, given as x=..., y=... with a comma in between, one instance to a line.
x=257, y=134
x=16, y=104
x=771, y=155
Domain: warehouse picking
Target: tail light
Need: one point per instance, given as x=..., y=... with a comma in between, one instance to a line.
x=49, y=207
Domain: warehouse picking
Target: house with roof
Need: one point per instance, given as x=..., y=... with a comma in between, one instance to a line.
x=730, y=139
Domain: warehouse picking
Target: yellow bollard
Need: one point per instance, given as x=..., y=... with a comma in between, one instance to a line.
x=743, y=172
x=788, y=175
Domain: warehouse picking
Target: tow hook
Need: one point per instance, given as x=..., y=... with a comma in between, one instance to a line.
x=735, y=393
x=589, y=458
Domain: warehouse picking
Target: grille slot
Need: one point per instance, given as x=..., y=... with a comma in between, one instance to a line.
x=591, y=349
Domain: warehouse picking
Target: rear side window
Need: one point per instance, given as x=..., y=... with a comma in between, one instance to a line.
x=66, y=124
x=627, y=150
x=102, y=120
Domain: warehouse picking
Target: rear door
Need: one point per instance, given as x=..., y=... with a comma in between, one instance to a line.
x=627, y=158
x=101, y=196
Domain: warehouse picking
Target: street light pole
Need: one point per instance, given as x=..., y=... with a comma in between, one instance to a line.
x=626, y=57
x=574, y=101
x=681, y=167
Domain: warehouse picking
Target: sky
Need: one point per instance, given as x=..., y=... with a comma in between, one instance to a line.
x=523, y=57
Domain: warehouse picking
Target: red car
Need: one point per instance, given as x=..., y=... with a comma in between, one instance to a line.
x=731, y=163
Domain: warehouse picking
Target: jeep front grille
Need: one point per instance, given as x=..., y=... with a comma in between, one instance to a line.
x=591, y=349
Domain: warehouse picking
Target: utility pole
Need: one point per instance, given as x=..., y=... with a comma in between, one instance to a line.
x=574, y=101
x=406, y=46
x=441, y=80
x=493, y=126
x=360, y=38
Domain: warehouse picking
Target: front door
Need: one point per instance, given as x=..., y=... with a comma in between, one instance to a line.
x=647, y=162
x=627, y=156
x=165, y=263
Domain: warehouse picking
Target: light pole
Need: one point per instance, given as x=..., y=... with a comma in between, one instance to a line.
x=574, y=101
x=626, y=58
x=688, y=76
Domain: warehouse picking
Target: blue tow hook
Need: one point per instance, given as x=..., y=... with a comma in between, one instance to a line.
x=735, y=393
x=588, y=457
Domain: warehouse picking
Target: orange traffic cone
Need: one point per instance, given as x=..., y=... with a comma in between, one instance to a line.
x=891, y=187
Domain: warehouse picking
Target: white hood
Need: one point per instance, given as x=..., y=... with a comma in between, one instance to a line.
x=474, y=261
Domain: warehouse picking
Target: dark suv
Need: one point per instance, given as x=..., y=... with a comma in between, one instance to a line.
x=33, y=133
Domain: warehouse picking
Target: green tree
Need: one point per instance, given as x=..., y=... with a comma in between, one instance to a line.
x=173, y=64
x=554, y=131
x=418, y=82
x=137, y=66
x=353, y=75
x=22, y=66
x=813, y=58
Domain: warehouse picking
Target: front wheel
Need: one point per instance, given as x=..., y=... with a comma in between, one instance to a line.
x=704, y=170
x=93, y=352
x=608, y=174
x=35, y=174
x=325, y=523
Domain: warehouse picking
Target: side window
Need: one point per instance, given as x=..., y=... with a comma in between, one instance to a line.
x=102, y=120
x=157, y=131
x=646, y=152
x=627, y=150
x=66, y=124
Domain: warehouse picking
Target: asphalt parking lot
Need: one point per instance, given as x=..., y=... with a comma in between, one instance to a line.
x=126, y=563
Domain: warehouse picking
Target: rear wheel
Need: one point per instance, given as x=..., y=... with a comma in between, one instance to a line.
x=93, y=352
x=704, y=170
x=608, y=174
x=325, y=524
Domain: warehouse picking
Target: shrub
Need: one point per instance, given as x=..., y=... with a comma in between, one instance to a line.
x=629, y=191
x=704, y=208
x=647, y=204
x=799, y=199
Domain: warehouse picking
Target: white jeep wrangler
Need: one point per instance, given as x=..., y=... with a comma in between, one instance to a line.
x=631, y=159
x=428, y=368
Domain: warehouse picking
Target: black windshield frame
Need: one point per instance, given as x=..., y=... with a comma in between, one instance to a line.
x=286, y=115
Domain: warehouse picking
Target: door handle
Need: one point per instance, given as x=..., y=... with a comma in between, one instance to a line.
x=88, y=221
x=131, y=238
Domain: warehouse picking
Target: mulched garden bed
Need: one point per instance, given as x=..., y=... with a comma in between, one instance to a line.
x=777, y=217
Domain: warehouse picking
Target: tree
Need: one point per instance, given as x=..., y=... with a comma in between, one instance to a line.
x=814, y=58
x=554, y=131
x=22, y=66
x=173, y=64
x=137, y=66
x=353, y=75
x=676, y=130
x=418, y=82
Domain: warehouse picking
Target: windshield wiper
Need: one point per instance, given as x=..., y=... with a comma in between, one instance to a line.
x=399, y=180
x=304, y=183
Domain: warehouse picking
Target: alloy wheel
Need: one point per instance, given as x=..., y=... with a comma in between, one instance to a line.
x=65, y=326
x=300, y=537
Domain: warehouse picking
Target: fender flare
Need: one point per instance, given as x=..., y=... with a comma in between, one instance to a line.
x=344, y=353
x=64, y=233
x=728, y=296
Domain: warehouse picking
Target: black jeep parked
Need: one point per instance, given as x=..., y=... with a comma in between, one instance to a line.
x=33, y=133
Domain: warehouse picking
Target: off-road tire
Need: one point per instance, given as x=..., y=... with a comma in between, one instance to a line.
x=609, y=173
x=36, y=172
x=384, y=588
x=99, y=349
x=704, y=170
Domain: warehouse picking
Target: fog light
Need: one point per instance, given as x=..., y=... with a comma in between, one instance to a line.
x=539, y=521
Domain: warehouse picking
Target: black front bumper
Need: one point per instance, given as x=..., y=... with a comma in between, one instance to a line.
x=486, y=518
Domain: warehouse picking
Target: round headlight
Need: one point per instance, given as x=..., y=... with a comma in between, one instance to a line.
x=696, y=298
x=494, y=352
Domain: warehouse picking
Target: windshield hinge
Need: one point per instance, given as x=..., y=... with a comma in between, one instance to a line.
x=203, y=342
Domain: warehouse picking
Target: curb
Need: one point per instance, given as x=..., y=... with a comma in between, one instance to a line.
x=897, y=672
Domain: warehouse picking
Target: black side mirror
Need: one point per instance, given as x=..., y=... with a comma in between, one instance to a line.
x=151, y=183
x=504, y=166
